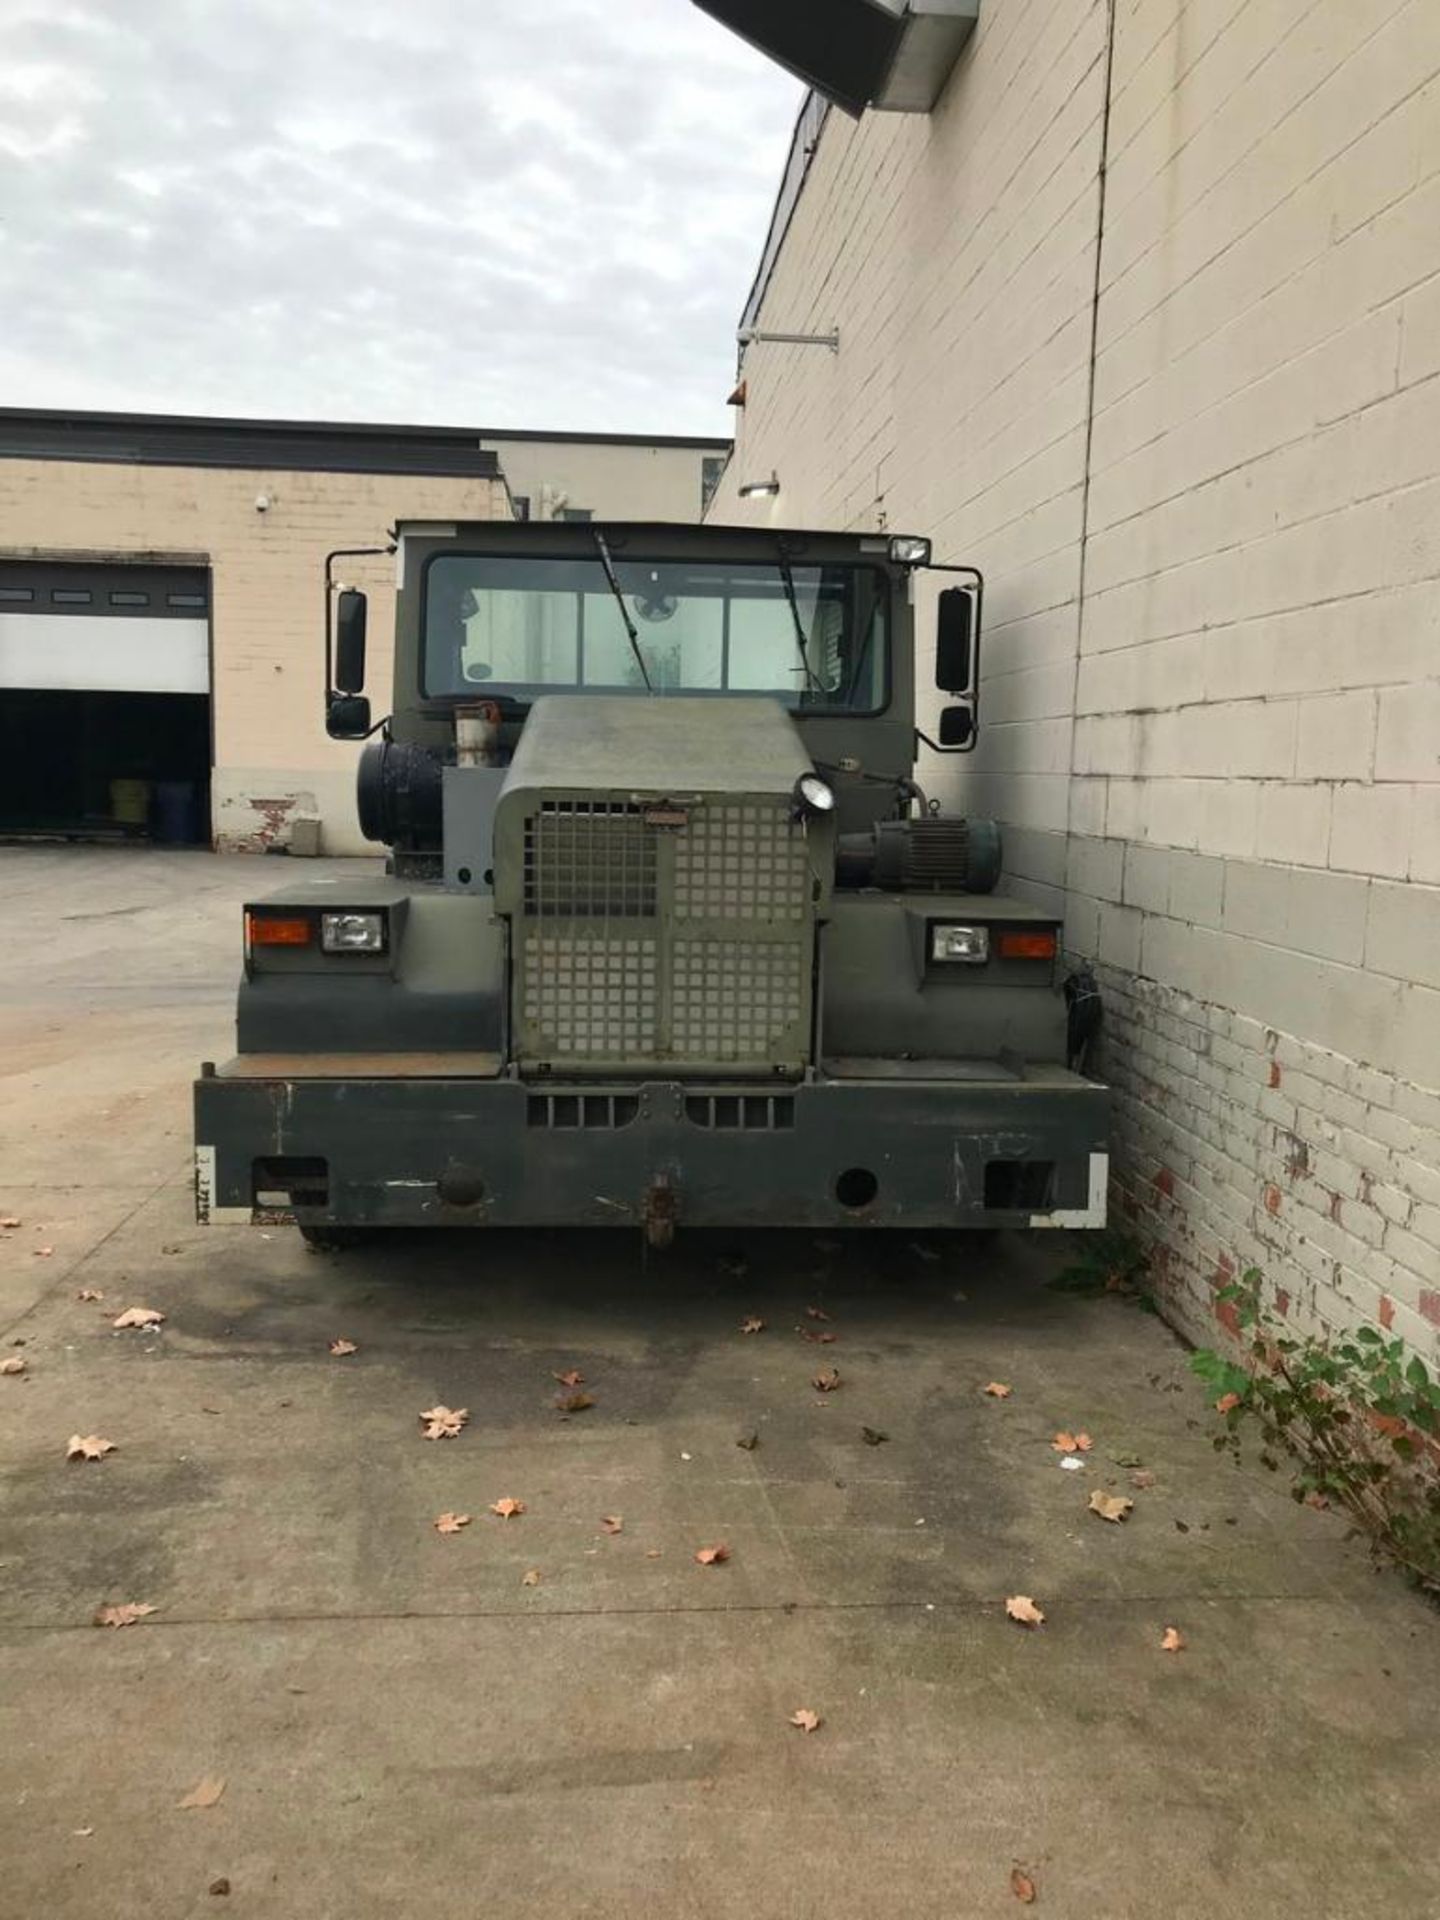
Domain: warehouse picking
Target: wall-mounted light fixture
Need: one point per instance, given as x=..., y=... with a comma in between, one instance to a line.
x=761, y=489
x=748, y=336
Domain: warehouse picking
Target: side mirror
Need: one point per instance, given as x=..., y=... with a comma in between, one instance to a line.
x=347, y=716
x=957, y=726
x=350, y=640
x=955, y=640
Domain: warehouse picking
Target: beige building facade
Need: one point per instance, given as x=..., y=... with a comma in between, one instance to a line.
x=162, y=601
x=1143, y=318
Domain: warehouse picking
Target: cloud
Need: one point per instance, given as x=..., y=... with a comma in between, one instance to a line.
x=537, y=215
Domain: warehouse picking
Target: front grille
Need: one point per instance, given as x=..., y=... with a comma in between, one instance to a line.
x=658, y=935
x=742, y=1112
x=603, y=1111
x=589, y=857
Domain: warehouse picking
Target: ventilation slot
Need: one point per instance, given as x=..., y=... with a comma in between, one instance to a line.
x=742, y=1112
x=587, y=858
x=563, y=1111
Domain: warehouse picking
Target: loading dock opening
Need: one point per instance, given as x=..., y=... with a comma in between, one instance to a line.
x=105, y=727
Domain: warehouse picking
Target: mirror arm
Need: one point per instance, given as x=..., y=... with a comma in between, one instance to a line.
x=935, y=746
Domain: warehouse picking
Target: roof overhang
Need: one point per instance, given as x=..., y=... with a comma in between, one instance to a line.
x=893, y=55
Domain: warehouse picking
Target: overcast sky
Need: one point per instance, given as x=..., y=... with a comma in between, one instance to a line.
x=523, y=213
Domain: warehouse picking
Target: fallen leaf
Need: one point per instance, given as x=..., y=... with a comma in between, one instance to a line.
x=1022, y=1886
x=1022, y=1608
x=710, y=1556
x=1172, y=1640
x=1142, y=1478
x=998, y=1390
x=138, y=1317
x=88, y=1446
x=507, y=1508
x=572, y=1402
x=9, y=1220
x=1083, y=1442
x=612, y=1523
x=818, y=1339
x=82, y=1833
x=1110, y=1506
x=1065, y=1443
x=14, y=1363
x=752, y=1323
x=530, y=1577
x=124, y=1615
x=749, y=1441
x=451, y=1522
x=572, y=1378
x=805, y=1718
x=341, y=1347
x=205, y=1792
x=816, y=1313
x=1127, y=1459
x=443, y=1423
x=222, y=1885
x=873, y=1437
x=652, y=1553
x=1227, y=1403
x=89, y=1293
x=1317, y=1500
x=42, y=1253
x=827, y=1380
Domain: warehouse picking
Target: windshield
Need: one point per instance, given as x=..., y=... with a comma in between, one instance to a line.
x=526, y=627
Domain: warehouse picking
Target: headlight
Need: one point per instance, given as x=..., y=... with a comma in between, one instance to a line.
x=909, y=550
x=352, y=932
x=968, y=945
x=814, y=795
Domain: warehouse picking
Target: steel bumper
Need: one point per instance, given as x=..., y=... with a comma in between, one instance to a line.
x=386, y=1150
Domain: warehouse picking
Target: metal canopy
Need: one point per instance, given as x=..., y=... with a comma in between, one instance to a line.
x=894, y=55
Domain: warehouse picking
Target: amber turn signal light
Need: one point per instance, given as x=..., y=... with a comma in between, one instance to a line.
x=1028, y=946
x=267, y=930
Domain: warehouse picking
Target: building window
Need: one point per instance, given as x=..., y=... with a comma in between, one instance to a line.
x=575, y=513
x=129, y=599
x=185, y=600
x=712, y=465
x=17, y=593
x=521, y=504
x=70, y=596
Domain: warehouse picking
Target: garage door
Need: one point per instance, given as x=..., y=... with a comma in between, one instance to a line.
x=104, y=629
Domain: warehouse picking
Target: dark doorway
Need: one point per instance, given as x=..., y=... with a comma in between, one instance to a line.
x=121, y=766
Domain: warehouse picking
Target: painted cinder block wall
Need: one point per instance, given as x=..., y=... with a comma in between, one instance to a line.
x=1187, y=418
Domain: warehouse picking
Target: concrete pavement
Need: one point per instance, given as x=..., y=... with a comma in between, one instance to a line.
x=404, y=1727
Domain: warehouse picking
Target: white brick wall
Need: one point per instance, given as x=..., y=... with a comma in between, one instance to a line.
x=1231, y=749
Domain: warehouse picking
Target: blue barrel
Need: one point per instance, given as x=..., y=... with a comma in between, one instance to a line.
x=174, y=813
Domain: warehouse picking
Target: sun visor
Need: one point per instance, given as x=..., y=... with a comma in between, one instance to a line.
x=894, y=55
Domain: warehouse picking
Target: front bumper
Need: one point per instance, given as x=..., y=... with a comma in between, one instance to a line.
x=389, y=1150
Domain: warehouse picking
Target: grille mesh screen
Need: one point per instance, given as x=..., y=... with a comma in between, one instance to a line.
x=589, y=857
x=740, y=863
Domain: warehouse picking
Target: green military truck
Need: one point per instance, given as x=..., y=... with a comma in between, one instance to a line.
x=668, y=934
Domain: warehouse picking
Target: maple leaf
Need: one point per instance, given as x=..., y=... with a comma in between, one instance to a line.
x=530, y=1577
x=1227, y=1403
x=443, y=1423
x=873, y=1437
x=572, y=1402
x=124, y=1615
x=1022, y=1886
x=752, y=1323
x=341, y=1347
x=205, y=1792
x=138, y=1317
x=998, y=1390
x=1022, y=1608
x=1110, y=1506
x=89, y=1293
x=816, y=1313
x=1172, y=1640
x=1142, y=1478
x=827, y=1380
x=88, y=1446
x=507, y=1508
x=612, y=1523
x=1083, y=1442
x=1064, y=1443
x=711, y=1556
x=805, y=1718
x=451, y=1522
x=13, y=1363
x=573, y=1378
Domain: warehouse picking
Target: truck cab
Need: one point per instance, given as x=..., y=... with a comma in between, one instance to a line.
x=668, y=933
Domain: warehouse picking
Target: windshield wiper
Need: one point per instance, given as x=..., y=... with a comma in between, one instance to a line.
x=603, y=549
x=789, y=580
